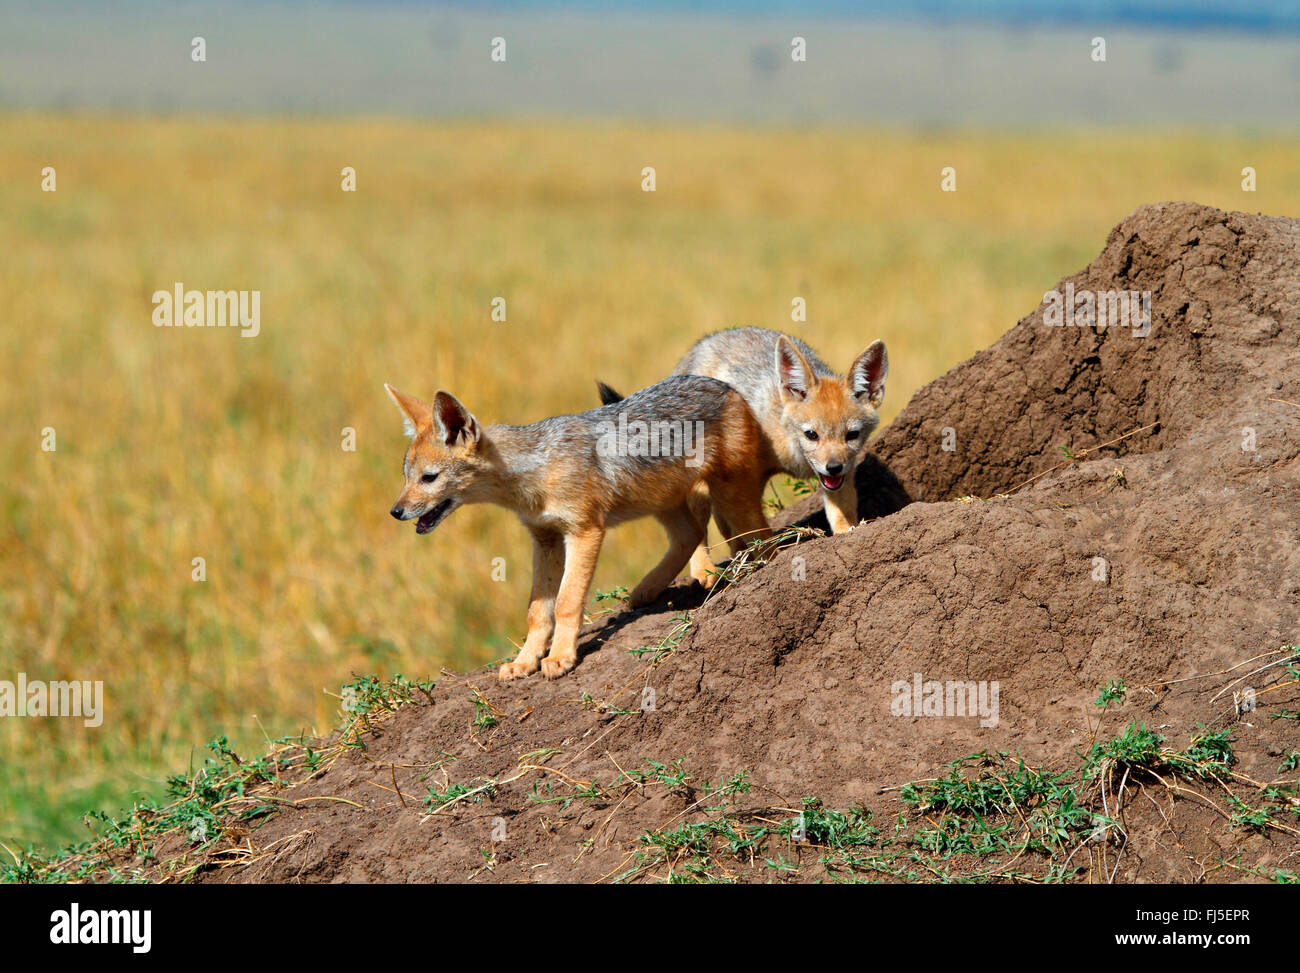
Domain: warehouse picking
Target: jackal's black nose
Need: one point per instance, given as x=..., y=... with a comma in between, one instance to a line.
x=834, y=469
x=397, y=512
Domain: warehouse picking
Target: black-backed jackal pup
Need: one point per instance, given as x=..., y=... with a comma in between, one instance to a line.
x=571, y=478
x=814, y=422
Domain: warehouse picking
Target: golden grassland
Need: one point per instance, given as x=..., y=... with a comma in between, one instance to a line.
x=181, y=443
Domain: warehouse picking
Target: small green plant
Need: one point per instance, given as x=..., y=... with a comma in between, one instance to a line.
x=671, y=775
x=1208, y=754
x=484, y=717
x=474, y=791
x=590, y=701
x=837, y=830
x=682, y=623
x=797, y=488
x=1113, y=692
x=800, y=488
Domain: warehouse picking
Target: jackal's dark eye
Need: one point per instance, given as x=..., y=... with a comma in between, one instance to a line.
x=852, y=435
x=428, y=477
x=810, y=435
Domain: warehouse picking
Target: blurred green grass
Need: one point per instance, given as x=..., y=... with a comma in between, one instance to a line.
x=177, y=443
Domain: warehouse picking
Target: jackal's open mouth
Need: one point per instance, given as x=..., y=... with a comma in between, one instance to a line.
x=831, y=483
x=434, y=517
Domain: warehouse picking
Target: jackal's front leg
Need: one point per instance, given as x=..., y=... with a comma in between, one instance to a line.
x=548, y=565
x=581, y=549
x=842, y=507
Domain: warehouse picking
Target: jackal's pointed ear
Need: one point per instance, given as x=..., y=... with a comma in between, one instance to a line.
x=454, y=420
x=793, y=372
x=416, y=414
x=868, y=374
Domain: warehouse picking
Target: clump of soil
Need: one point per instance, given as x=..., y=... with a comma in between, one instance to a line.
x=1111, y=507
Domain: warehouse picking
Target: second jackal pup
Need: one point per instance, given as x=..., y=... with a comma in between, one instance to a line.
x=814, y=422
x=570, y=478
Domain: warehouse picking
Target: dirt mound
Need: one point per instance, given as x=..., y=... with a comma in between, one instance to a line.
x=1168, y=559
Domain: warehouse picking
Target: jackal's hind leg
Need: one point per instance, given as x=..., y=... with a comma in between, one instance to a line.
x=738, y=509
x=684, y=537
x=702, y=568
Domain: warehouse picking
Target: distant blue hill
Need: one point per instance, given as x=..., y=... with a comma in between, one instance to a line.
x=1263, y=15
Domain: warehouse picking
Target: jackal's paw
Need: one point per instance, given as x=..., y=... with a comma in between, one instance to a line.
x=642, y=596
x=554, y=666
x=516, y=670
x=706, y=578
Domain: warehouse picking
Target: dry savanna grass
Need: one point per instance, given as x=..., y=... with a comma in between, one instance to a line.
x=180, y=443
